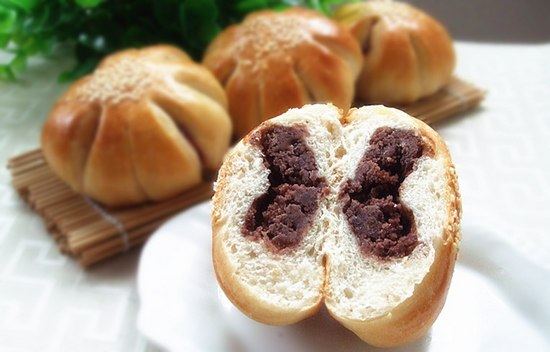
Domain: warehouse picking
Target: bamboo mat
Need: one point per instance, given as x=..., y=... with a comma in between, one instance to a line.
x=456, y=97
x=82, y=228
x=91, y=233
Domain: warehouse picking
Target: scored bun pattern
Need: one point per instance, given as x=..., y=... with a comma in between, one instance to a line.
x=378, y=248
x=407, y=54
x=147, y=124
x=274, y=61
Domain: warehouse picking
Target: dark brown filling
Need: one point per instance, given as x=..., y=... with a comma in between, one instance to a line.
x=383, y=225
x=283, y=214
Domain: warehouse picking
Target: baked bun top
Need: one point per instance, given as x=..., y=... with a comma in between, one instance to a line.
x=274, y=61
x=143, y=126
x=407, y=53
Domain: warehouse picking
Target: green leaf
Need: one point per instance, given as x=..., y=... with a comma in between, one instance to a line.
x=245, y=6
x=315, y=4
x=135, y=35
x=8, y=19
x=4, y=40
x=94, y=28
x=328, y=6
x=6, y=73
x=18, y=64
x=165, y=14
x=79, y=70
x=38, y=23
x=90, y=3
x=26, y=5
x=280, y=7
x=198, y=19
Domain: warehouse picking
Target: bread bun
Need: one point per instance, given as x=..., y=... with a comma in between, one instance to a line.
x=385, y=290
x=274, y=61
x=407, y=54
x=143, y=126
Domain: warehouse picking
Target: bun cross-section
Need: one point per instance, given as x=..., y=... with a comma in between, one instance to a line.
x=360, y=212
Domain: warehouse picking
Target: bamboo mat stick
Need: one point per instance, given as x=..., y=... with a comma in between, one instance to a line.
x=32, y=165
x=51, y=200
x=25, y=158
x=51, y=186
x=34, y=176
x=65, y=209
x=92, y=233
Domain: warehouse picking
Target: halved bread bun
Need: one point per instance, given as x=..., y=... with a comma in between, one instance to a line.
x=391, y=302
x=270, y=287
x=385, y=300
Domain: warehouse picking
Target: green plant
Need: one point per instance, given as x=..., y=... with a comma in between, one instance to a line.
x=94, y=28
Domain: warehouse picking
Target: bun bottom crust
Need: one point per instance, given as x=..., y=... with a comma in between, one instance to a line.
x=407, y=322
x=250, y=304
x=413, y=318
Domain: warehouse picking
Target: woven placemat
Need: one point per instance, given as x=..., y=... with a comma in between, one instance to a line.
x=456, y=97
x=91, y=232
x=83, y=228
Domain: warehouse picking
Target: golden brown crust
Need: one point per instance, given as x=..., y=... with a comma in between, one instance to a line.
x=274, y=61
x=407, y=53
x=141, y=127
x=406, y=322
x=412, y=318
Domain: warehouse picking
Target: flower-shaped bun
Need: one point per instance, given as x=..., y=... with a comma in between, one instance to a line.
x=274, y=61
x=407, y=54
x=145, y=125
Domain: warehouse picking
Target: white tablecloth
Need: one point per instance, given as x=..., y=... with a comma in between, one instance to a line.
x=502, y=154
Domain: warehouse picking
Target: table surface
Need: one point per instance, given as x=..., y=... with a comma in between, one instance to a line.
x=49, y=303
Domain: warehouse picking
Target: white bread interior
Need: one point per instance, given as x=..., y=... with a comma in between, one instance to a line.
x=278, y=288
x=371, y=296
x=385, y=302
x=363, y=287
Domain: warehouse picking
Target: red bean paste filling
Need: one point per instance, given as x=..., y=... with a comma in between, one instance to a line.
x=383, y=225
x=285, y=212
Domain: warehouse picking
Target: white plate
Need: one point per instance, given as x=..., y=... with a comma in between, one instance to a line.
x=498, y=301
